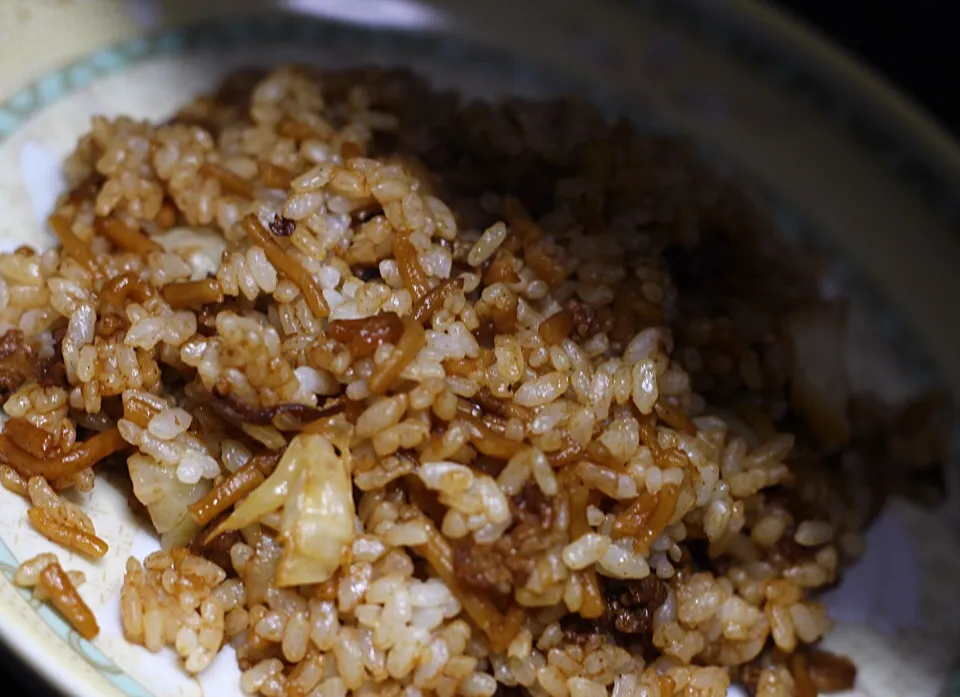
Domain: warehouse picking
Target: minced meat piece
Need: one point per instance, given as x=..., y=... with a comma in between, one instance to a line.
x=507, y=563
x=630, y=605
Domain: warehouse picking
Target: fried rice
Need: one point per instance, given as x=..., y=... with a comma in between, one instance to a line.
x=426, y=397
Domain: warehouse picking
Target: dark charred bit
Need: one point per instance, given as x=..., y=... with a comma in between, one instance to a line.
x=88, y=425
x=504, y=409
x=368, y=273
x=511, y=691
x=236, y=411
x=697, y=554
x=115, y=462
x=51, y=372
x=282, y=227
x=589, y=320
x=788, y=549
x=650, y=591
x=9, y=383
x=485, y=333
x=216, y=550
x=499, y=567
x=427, y=500
x=631, y=605
x=631, y=620
x=57, y=335
x=17, y=363
x=579, y=631
x=508, y=562
x=207, y=319
x=10, y=343
x=531, y=506
x=481, y=567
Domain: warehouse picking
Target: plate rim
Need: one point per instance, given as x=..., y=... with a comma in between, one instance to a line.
x=780, y=31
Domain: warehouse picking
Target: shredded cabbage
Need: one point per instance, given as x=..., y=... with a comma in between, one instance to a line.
x=166, y=498
x=312, y=484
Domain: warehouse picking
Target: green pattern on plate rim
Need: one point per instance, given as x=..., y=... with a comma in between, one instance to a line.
x=83, y=648
x=22, y=105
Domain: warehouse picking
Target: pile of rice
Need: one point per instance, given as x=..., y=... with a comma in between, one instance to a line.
x=425, y=397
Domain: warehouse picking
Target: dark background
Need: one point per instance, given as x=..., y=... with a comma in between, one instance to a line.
x=913, y=44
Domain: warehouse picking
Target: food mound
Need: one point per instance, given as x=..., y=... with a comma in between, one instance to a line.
x=426, y=397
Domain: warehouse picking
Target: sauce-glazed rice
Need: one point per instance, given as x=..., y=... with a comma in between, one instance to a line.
x=433, y=398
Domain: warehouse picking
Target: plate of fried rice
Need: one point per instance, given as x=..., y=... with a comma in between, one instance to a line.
x=417, y=349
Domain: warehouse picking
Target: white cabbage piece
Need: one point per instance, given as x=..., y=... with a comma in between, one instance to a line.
x=312, y=483
x=166, y=497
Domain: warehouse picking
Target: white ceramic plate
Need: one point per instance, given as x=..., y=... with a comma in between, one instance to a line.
x=829, y=147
